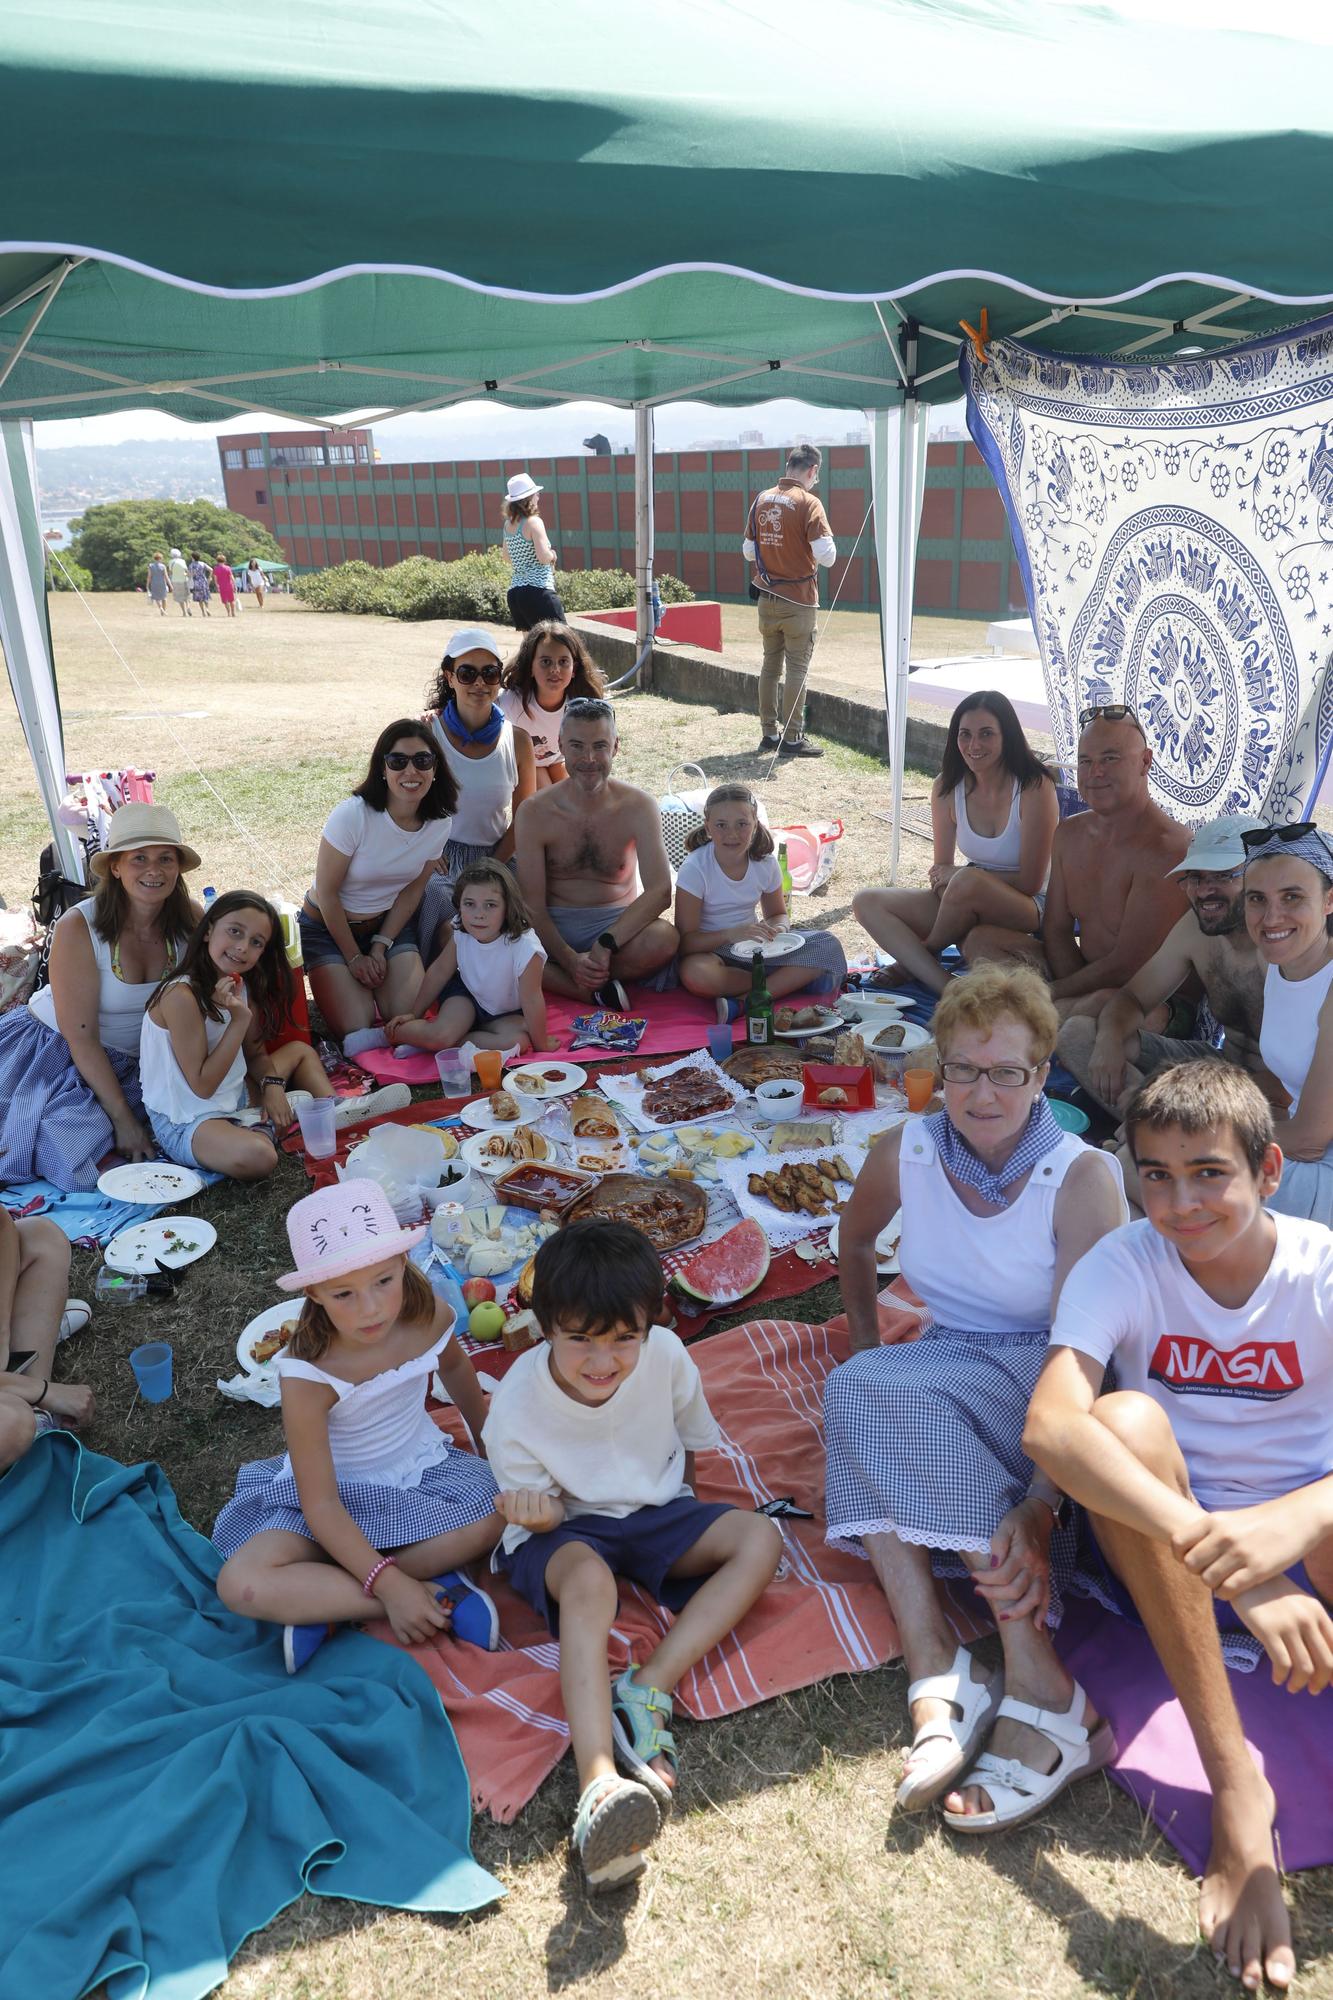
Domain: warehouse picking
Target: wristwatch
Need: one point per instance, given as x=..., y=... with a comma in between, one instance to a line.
x=1055, y=1501
x=609, y=940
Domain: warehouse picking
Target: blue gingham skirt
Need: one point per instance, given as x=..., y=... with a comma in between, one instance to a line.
x=924, y=1441
x=451, y=1494
x=51, y=1124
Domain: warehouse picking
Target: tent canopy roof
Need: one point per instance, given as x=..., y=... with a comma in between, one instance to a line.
x=304, y=207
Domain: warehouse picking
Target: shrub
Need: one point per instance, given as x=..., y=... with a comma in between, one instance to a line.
x=114, y=540
x=66, y=574
x=476, y=586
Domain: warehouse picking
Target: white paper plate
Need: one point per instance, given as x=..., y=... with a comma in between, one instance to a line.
x=481, y=1118
x=571, y=1077
x=473, y=1151
x=266, y=1322
x=150, y=1181
x=782, y=946
x=147, y=1244
x=913, y=1038
x=878, y=1008
x=831, y=1024
x=886, y=1245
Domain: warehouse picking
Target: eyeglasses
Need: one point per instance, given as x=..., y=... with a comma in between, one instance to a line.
x=1110, y=711
x=590, y=704
x=468, y=675
x=1005, y=1076
x=420, y=760
x=1259, y=836
x=1215, y=875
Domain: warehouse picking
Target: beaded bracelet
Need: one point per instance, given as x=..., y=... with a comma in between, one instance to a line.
x=385, y=1562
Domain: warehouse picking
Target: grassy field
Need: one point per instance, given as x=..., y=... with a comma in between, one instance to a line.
x=782, y=1873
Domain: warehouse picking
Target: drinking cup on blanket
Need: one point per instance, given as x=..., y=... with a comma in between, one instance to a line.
x=488, y=1064
x=920, y=1087
x=453, y=1072
x=152, y=1370
x=318, y=1127
x=720, y=1041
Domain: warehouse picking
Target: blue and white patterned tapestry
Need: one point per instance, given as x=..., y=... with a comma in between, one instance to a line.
x=1174, y=522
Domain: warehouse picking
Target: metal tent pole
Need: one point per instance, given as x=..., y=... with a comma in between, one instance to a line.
x=643, y=529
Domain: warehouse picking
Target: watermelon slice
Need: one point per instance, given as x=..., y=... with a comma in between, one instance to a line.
x=729, y=1269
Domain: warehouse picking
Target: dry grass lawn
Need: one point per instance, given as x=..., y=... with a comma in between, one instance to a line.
x=782, y=1873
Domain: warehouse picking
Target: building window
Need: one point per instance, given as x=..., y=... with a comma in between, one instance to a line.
x=254, y=457
x=233, y=460
x=297, y=454
x=342, y=454
x=261, y=496
x=363, y=454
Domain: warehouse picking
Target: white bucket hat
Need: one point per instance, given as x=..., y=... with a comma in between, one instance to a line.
x=522, y=487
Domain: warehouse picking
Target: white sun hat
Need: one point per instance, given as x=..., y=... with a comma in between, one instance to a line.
x=522, y=487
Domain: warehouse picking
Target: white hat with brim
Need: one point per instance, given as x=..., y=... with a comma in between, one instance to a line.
x=522, y=487
x=345, y=1227
x=1217, y=848
x=139, y=825
x=472, y=640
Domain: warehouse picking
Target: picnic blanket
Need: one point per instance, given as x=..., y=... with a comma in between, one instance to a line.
x=166, y=1788
x=87, y=1219
x=826, y=1615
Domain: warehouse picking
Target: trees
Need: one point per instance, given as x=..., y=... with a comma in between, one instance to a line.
x=114, y=542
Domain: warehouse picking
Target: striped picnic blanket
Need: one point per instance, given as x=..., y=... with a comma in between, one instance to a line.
x=826, y=1615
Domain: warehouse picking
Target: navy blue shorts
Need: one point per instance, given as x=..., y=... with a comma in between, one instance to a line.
x=458, y=990
x=641, y=1547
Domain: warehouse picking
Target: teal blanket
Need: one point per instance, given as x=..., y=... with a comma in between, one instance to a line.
x=165, y=1788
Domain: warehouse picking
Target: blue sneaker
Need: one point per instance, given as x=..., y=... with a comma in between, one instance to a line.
x=475, y=1617
x=728, y=1010
x=300, y=1643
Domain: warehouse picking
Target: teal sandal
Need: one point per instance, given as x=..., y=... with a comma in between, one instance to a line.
x=636, y=1736
x=616, y=1819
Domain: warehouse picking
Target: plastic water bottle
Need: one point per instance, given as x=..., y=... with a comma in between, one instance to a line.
x=209, y=893
x=122, y=1288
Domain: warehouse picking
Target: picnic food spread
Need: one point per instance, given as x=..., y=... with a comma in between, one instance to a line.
x=269, y=1344
x=593, y=1118
x=668, y=1212
x=689, y=1093
x=525, y=1144
x=805, y=1186
x=750, y=1066
x=502, y=1105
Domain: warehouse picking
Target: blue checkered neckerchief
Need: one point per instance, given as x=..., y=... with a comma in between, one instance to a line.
x=1040, y=1135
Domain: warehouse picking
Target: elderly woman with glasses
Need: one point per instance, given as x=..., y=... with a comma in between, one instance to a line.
x=924, y=1438
x=1289, y=916
x=491, y=763
x=378, y=850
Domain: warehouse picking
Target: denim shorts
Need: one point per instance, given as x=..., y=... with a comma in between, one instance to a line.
x=641, y=1546
x=177, y=1141
x=319, y=947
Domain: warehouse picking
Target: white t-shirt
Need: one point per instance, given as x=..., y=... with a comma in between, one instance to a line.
x=727, y=905
x=541, y=724
x=491, y=971
x=613, y=1459
x=1248, y=1389
x=384, y=858
x=1289, y=1030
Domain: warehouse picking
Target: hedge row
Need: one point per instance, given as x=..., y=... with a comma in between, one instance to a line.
x=474, y=587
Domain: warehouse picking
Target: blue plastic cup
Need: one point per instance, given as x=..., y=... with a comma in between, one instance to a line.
x=152, y=1370
x=318, y=1128
x=720, y=1041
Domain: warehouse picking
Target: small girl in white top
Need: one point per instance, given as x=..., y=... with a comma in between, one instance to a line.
x=366, y=1467
x=205, y=1072
x=551, y=668
x=731, y=866
x=488, y=976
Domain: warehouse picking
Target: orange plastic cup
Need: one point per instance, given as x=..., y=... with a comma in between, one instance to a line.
x=488, y=1064
x=920, y=1087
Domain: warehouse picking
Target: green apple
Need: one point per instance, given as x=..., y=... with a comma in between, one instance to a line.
x=486, y=1320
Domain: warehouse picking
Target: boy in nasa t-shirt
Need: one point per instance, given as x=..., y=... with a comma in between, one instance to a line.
x=1206, y=1470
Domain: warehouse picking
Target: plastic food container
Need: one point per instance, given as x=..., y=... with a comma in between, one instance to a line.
x=858, y=1081
x=535, y=1185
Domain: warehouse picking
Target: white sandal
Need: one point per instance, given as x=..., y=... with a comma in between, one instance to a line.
x=976, y=1702
x=1017, y=1792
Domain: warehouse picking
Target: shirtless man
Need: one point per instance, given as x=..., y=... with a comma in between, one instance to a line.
x=1110, y=874
x=1114, y=1054
x=593, y=868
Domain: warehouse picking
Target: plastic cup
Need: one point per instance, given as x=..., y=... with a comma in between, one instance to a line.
x=920, y=1087
x=152, y=1370
x=720, y=1041
x=453, y=1072
x=489, y=1065
x=319, y=1131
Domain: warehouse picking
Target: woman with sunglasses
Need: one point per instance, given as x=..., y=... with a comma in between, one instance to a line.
x=1289, y=916
x=491, y=764
x=378, y=850
x=926, y=1470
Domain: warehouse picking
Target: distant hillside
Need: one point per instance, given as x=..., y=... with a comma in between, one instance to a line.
x=75, y=476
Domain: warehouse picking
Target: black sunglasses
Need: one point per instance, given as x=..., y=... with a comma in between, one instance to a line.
x=1259, y=836
x=468, y=675
x=420, y=760
x=1109, y=711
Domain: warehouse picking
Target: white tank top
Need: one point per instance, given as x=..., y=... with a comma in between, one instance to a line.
x=163, y=1082
x=485, y=787
x=380, y=1428
x=1001, y=852
x=120, y=1002
x=982, y=1273
x=1290, y=1027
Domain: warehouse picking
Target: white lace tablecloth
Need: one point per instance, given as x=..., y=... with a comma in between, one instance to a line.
x=781, y=1229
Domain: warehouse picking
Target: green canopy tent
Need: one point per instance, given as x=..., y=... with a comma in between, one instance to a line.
x=703, y=202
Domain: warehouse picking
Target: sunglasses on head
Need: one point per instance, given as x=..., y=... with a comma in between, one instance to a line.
x=469, y=675
x=1110, y=711
x=420, y=760
x=1259, y=836
x=589, y=704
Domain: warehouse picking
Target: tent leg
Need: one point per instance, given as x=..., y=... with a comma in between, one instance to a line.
x=25, y=635
x=643, y=536
x=897, y=456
